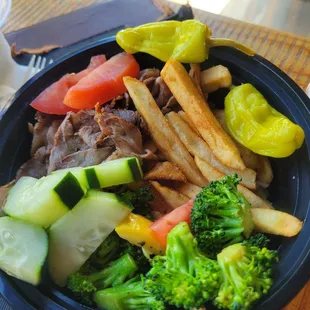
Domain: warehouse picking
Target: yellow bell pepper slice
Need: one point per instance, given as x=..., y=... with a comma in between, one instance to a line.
x=136, y=230
x=187, y=41
x=258, y=126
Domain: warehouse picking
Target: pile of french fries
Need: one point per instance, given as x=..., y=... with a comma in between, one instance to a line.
x=196, y=148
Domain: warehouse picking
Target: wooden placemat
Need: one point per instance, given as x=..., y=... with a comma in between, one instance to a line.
x=25, y=13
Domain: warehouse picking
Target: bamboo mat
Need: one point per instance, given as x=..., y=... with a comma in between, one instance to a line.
x=289, y=52
x=25, y=13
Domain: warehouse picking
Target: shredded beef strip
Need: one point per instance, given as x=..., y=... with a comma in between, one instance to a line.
x=127, y=137
x=42, y=143
x=85, y=158
x=78, y=132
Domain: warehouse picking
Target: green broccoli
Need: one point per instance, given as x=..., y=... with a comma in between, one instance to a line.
x=220, y=216
x=246, y=272
x=139, y=200
x=108, y=251
x=129, y=296
x=137, y=254
x=183, y=277
x=114, y=247
x=117, y=272
x=260, y=240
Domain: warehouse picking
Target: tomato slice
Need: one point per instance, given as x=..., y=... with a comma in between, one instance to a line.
x=162, y=226
x=50, y=101
x=102, y=84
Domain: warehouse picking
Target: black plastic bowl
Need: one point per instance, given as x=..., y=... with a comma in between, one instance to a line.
x=290, y=189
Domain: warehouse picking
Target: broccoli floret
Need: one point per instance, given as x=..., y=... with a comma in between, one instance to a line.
x=139, y=200
x=108, y=251
x=128, y=296
x=183, y=277
x=137, y=254
x=246, y=272
x=117, y=272
x=220, y=216
x=114, y=247
x=259, y=240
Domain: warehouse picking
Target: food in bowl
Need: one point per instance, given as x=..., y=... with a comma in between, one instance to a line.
x=148, y=199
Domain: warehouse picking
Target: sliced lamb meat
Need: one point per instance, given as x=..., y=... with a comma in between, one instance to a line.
x=164, y=93
x=35, y=167
x=43, y=139
x=79, y=132
x=172, y=102
x=41, y=129
x=126, y=136
x=148, y=73
x=194, y=73
x=128, y=115
x=66, y=141
x=85, y=158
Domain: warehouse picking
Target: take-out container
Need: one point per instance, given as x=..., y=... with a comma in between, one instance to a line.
x=290, y=189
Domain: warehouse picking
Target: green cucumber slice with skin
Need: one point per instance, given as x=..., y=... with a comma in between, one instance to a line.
x=23, y=249
x=78, y=172
x=114, y=172
x=74, y=237
x=110, y=173
x=43, y=201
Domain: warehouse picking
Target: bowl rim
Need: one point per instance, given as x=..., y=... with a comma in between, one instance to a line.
x=292, y=284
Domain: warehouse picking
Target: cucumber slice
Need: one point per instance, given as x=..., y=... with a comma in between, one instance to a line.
x=45, y=200
x=114, y=172
x=78, y=172
x=23, y=249
x=74, y=237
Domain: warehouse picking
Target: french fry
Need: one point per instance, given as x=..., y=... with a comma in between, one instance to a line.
x=276, y=222
x=173, y=198
x=256, y=162
x=187, y=120
x=166, y=171
x=264, y=172
x=198, y=147
x=188, y=189
x=187, y=95
x=212, y=174
x=162, y=134
x=214, y=78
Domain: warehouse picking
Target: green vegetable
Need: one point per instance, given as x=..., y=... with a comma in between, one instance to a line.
x=77, y=235
x=258, y=126
x=184, y=277
x=188, y=41
x=128, y=296
x=114, y=247
x=220, y=216
x=115, y=172
x=258, y=240
x=43, y=201
x=139, y=200
x=116, y=273
x=23, y=249
x=246, y=272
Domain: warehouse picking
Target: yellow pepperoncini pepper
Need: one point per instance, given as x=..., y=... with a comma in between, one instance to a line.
x=188, y=41
x=258, y=126
x=136, y=230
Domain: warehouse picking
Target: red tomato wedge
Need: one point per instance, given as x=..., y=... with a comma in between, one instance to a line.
x=102, y=84
x=162, y=226
x=50, y=101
